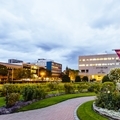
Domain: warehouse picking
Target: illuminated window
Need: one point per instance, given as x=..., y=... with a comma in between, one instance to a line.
x=87, y=65
x=109, y=58
x=98, y=59
x=112, y=58
x=105, y=58
x=83, y=60
x=117, y=58
x=99, y=64
x=94, y=59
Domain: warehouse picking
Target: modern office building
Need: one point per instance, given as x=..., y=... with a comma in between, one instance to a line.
x=96, y=66
x=54, y=67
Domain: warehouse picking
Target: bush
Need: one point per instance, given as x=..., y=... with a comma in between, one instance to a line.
x=85, y=78
x=82, y=87
x=65, y=78
x=69, y=88
x=33, y=92
x=10, y=88
x=77, y=79
x=106, y=79
x=108, y=97
x=52, y=86
x=95, y=87
x=11, y=99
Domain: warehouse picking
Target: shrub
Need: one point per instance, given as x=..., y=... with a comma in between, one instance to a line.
x=65, y=78
x=11, y=99
x=95, y=87
x=33, y=92
x=53, y=86
x=77, y=79
x=85, y=78
x=69, y=88
x=108, y=97
x=82, y=87
x=106, y=79
x=10, y=88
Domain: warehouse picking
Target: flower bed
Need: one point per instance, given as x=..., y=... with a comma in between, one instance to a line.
x=109, y=113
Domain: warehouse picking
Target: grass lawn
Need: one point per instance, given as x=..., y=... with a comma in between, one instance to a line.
x=2, y=101
x=53, y=100
x=85, y=112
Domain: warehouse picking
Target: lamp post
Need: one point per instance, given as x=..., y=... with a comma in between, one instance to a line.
x=42, y=74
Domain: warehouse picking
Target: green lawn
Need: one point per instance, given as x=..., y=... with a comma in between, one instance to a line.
x=53, y=100
x=2, y=101
x=85, y=112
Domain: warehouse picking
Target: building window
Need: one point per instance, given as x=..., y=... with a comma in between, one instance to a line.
x=82, y=71
x=87, y=71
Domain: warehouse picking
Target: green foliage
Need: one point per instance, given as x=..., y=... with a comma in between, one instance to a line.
x=11, y=99
x=65, y=78
x=108, y=86
x=108, y=97
x=85, y=112
x=85, y=79
x=106, y=79
x=69, y=88
x=33, y=92
x=3, y=70
x=114, y=74
x=53, y=86
x=77, y=79
x=82, y=87
x=95, y=87
x=10, y=88
x=22, y=73
x=2, y=101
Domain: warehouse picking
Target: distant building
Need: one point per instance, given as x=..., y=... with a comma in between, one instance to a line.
x=54, y=67
x=96, y=66
x=34, y=69
x=14, y=61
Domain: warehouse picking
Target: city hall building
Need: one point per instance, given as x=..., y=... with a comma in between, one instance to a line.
x=96, y=66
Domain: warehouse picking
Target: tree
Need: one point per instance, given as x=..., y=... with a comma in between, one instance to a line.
x=22, y=73
x=18, y=74
x=73, y=73
x=85, y=78
x=3, y=70
x=114, y=74
x=67, y=71
x=65, y=78
x=77, y=79
x=106, y=79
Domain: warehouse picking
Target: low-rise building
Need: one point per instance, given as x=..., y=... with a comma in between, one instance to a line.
x=96, y=66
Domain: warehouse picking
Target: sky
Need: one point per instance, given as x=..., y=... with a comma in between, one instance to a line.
x=59, y=30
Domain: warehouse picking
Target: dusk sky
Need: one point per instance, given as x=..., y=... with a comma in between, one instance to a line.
x=60, y=30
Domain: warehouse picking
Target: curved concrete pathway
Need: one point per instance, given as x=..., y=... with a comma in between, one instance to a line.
x=61, y=111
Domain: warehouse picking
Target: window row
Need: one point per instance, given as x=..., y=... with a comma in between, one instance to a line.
x=99, y=64
x=95, y=59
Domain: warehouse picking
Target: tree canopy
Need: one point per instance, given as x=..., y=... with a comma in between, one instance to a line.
x=3, y=70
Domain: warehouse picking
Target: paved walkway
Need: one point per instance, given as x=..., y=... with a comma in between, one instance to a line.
x=61, y=111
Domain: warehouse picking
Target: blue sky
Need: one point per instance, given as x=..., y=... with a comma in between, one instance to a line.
x=59, y=30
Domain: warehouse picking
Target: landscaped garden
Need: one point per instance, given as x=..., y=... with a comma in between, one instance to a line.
x=33, y=96
x=23, y=97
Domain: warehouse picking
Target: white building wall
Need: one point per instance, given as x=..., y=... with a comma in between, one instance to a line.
x=96, y=66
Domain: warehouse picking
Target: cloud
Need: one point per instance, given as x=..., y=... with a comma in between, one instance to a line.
x=58, y=30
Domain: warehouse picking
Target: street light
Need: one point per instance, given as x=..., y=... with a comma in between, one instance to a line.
x=42, y=74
